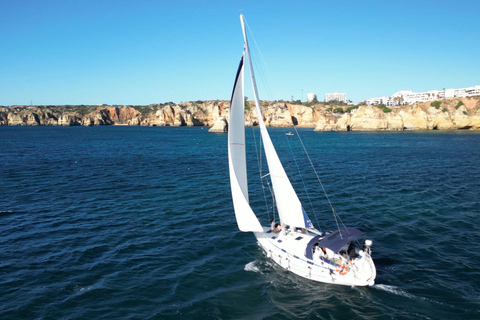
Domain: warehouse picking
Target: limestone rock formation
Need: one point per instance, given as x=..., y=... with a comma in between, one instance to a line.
x=116, y=115
x=460, y=118
x=47, y=118
x=366, y=119
x=162, y=117
x=414, y=118
x=326, y=123
x=450, y=114
x=394, y=122
x=475, y=118
x=220, y=126
x=3, y=117
x=69, y=120
x=13, y=119
x=302, y=116
x=277, y=115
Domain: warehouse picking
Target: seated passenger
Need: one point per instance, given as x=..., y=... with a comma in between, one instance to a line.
x=276, y=227
x=323, y=252
x=327, y=253
x=352, y=254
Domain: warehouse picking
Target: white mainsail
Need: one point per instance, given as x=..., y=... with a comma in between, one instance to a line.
x=290, y=209
x=246, y=219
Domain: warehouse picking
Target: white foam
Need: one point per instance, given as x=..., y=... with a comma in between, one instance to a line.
x=77, y=288
x=394, y=290
x=251, y=266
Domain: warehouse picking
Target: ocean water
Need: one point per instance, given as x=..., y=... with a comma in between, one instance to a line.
x=137, y=223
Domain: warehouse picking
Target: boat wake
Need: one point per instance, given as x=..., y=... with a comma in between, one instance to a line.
x=394, y=290
x=252, y=266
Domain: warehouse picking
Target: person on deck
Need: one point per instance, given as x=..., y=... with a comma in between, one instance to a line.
x=327, y=253
x=351, y=251
x=276, y=227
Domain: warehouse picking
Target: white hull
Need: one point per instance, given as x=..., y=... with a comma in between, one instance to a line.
x=289, y=251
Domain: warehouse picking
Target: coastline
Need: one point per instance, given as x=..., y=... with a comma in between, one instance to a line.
x=448, y=114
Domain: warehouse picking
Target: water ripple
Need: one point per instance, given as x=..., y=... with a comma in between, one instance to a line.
x=111, y=222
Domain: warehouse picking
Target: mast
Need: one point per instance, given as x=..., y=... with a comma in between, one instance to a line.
x=254, y=83
x=290, y=209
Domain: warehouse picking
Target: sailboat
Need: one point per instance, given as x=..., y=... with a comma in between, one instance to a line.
x=339, y=257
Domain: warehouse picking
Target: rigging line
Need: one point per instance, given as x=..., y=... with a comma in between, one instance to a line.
x=260, y=71
x=259, y=161
x=272, y=194
x=264, y=63
x=260, y=74
x=301, y=178
x=273, y=199
x=335, y=215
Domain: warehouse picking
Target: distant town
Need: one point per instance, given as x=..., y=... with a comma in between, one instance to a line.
x=404, y=97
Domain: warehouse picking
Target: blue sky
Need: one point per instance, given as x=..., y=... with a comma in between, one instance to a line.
x=144, y=51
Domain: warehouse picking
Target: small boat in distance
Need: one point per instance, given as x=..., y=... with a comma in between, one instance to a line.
x=289, y=134
x=339, y=257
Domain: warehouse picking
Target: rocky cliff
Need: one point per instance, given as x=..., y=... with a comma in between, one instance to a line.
x=442, y=115
x=450, y=114
x=187, y=114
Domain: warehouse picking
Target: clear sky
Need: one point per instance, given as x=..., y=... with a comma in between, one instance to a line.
x=145, y=51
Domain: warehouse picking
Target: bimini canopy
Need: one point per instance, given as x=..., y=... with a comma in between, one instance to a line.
x=337, y=240
x=309, y=251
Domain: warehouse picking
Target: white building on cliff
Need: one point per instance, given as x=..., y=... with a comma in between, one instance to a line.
x=377, y=101
x=311, y=96
x=409, y=97
x=336, y=96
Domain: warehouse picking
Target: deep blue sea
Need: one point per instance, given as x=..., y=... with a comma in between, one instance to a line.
x=137, y=223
